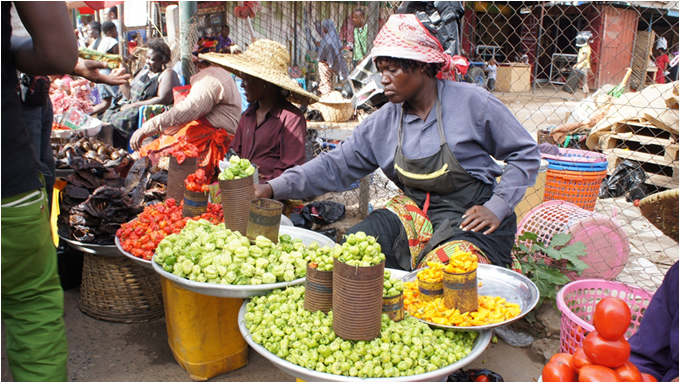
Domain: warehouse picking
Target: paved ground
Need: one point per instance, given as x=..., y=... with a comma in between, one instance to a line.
x=102, y=351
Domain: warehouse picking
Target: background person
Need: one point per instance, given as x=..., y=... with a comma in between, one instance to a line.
x=450, y=187
x=99, y=43
x=360, y=48
x=224, y=41
x=271, y=132
x=583, y=41
x=207, y=118
x=331, y=60
x=661, y=62
x=152, y=85
x=493, y=73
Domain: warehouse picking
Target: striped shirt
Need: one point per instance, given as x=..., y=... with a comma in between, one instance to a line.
x=213, y=95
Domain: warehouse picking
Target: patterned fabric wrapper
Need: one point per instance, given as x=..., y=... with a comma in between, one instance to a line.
x=112, y=61
x=442, y=253
x=404, y=37
x=418, y=227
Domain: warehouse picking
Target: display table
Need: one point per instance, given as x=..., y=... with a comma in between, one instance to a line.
x=514, y=78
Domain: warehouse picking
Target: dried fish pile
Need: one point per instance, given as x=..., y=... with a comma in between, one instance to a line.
x=94, y=204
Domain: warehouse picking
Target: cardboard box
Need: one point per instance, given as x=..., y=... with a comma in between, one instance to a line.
x=514, y=77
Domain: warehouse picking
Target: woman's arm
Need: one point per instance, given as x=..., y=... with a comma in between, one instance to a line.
x=52, y=47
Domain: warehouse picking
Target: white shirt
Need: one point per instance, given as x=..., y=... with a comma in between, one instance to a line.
x=105, y=44
x=492, y=71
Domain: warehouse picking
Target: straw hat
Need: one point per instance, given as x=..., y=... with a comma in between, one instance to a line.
x=661, y=209
x=267, y=60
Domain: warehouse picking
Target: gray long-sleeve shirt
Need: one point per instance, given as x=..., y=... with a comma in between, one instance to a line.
x=476, y=126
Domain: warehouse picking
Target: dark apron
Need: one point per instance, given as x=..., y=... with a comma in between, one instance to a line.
x=444, y=190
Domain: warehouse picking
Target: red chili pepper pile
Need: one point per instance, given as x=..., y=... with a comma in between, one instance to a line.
x=181, y=150
x=140, y=236
x=197, y=182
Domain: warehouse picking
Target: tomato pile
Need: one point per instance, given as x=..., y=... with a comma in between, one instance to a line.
x=605, y=352
x=141, y=236
x=197, y=182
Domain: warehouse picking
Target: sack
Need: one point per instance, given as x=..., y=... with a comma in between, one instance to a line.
x=34, y=89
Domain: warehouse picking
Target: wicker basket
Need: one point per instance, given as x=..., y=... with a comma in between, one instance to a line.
x=118, y=290
x=334, y=108
x=543, y=136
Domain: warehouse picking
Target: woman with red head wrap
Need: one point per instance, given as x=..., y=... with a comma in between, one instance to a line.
x=435, y=140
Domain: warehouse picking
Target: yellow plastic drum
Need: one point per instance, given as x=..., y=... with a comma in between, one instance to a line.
x=203, y=332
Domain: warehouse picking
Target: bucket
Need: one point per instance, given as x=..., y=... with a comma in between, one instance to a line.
x=460, y=291
x=394, y=307
x=357, y=300
x=318, y=290
x=430, y=291
x=579, y=188
x=236, y=196
x=203, y=332
x=264, y=219
x=177, y=173
x=195, y=203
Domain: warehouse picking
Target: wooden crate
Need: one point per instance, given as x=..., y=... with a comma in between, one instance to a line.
x=655, y=150
x=514, y=77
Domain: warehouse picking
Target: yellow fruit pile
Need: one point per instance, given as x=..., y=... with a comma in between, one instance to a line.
x=432, y=275
x=491, y=310
x=461, y=262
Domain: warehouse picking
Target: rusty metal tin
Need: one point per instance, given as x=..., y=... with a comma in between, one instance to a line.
x=460, y=291
x=318, y=290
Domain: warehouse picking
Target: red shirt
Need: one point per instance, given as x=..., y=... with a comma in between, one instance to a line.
x=661, y=64
x=277, y=144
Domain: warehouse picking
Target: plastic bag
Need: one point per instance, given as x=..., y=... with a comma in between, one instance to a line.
x=323, y=212
x=627, y=179
x=474, y=374
x=513, y=338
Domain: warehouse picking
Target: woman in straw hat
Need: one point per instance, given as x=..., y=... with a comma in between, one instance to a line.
x=272, y=131
x=207, y=118
x=435, y=140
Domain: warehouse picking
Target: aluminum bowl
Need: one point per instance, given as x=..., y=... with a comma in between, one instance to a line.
x=137, y=260
x=307, y=375
x=110, y=250
x=246, y=291
x=497, y=282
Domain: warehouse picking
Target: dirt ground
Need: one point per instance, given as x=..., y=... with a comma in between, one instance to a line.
x=102, y=351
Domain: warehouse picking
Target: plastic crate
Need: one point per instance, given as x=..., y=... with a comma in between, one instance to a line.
x=577, y=300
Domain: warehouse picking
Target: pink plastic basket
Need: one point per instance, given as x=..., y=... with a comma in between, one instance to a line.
x=607, y=244
x=576, y=155
x=577, y=300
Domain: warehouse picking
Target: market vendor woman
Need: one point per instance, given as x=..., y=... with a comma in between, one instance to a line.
x=207, y=118
x=435, y=140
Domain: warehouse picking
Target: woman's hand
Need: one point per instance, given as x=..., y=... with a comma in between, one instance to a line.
x=137, y=137
x=263, y=191
x=128, y=106
x=477, y=218
x=140, y=134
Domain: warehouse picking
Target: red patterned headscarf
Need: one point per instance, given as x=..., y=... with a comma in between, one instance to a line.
x=404, y=37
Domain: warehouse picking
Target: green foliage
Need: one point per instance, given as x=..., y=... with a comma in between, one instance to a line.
x=549, y=277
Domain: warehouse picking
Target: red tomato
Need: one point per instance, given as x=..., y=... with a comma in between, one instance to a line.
x=636, y=202
x=482, y=378
x=605, y=352
x=561, y=357
x=579, y=359
x=648, y=378
x=558, y=372
x=595, y=373
x=627, y=372
x=611, y=318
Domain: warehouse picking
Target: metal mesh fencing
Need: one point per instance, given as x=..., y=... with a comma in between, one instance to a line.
x=561, y=68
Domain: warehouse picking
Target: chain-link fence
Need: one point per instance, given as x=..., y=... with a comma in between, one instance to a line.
x=560, y=67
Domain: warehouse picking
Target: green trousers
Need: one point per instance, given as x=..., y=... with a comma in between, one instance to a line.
x=32, y=297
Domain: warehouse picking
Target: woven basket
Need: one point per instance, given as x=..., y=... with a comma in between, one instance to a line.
x=661, y=209
x=116, y=289
x=543, y=136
